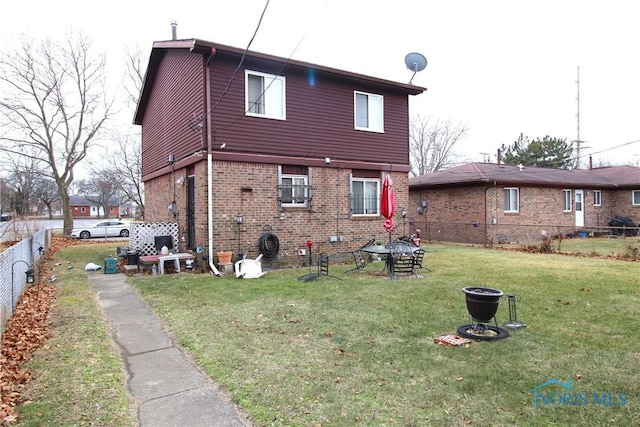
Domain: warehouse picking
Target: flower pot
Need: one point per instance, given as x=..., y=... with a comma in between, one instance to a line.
x=482, y=303
x=224, y=258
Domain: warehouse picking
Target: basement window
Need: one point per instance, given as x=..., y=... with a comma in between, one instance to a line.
x=294, y=190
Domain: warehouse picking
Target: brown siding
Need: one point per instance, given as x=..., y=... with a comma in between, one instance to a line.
x=176, y=97
x=319, y=118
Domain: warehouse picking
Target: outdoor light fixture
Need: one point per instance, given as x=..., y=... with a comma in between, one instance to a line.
x=403, y=212
x=239, y=220
x=30, y=279
x=41, y=250
x=173, y=208
x=31, y=275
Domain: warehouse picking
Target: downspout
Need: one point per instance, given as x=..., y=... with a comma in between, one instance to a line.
x=207, y=80
x=486, y=218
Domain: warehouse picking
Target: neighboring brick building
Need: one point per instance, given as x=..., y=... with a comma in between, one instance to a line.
x=81, y=207
x=489, y=197
x=298, y=150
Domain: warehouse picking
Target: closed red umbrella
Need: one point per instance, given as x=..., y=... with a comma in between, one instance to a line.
x=388, y=204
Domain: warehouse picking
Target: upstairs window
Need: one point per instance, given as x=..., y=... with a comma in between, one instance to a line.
x=265, y=95
x=566, y=200
x=369, y=112
x=293, y=186
x=511, y=200
x=365, y=193
x=597, y=198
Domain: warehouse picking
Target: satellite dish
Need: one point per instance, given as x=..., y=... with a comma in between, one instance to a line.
x=415, y=62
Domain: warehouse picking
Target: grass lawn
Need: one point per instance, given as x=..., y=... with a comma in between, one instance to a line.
x=619, y=247
x=77, y=377
x=360, y=351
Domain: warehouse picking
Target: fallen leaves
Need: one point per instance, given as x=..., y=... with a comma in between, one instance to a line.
x=26, y=331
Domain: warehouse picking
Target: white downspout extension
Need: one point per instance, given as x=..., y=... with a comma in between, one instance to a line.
x=214, y=270
x=210, y=210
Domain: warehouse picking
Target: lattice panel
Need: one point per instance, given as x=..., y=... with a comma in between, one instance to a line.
x=143, y=236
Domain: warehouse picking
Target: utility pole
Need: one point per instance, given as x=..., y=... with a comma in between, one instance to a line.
x=578, y=142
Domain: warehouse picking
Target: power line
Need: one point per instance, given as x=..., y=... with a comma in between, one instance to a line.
x=614, y=147
x=278, y=74
x=244, y=54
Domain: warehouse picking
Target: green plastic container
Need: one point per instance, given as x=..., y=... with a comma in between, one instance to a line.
x=110, y=265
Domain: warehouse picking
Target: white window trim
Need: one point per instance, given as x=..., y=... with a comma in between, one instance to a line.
x=597, y=202
x=633, y=198
x=377, y=198
x=294, y=203
x=370, y=110
x=517, y=192
x=268, y=80
x=567, y=205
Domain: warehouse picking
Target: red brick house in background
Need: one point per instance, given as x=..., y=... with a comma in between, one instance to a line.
x=297, y=150
x=490, y=202
x=81, y=207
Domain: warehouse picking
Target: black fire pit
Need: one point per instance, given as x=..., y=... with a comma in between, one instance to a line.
x=482, y=304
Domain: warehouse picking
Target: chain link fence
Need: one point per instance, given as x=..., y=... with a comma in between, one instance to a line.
x=19, y=264
x=621, y=242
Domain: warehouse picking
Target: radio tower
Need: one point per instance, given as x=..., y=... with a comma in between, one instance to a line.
x=578, y=142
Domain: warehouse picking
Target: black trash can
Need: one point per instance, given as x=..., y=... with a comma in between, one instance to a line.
x=132, y=257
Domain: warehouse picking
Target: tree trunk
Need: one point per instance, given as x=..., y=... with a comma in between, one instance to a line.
x=66, y=211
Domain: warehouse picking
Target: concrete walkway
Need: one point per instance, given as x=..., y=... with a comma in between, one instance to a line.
x=167, y=388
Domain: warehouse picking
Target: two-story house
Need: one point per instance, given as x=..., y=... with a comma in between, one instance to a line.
x=238, y=146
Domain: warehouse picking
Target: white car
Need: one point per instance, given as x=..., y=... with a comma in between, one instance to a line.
x=102, y=229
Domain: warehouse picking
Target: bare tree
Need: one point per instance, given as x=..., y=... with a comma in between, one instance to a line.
x=46, y=191
x=431, y=144
x=125, y=158
x=54, y=101
x=23, y=176
x=134, y=75
x=127, y=165
x=102, y=188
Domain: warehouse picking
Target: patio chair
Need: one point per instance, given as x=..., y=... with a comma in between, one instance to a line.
x=323, y=270
x=404, y=265
x=359, y=260
x=418, y=258
x=249, y=268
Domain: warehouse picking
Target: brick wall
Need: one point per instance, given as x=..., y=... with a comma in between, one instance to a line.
x=484, y=206
x=251, y=189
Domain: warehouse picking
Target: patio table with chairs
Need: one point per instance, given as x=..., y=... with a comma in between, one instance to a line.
x=401, y=257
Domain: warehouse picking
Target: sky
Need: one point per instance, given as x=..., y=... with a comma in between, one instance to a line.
x=498, y=67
